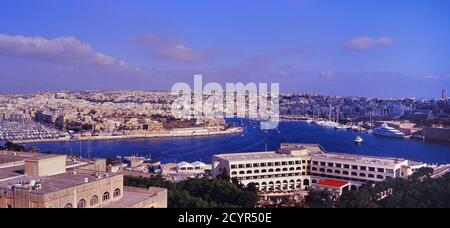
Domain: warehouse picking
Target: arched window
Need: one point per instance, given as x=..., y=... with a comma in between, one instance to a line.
x=263, y=171
x=69, y=205
x=299, y=183
x=94, y=200
x=249, y=172
x=234, y=173
x=116, y=193
x=256, y=171
x=81, y=203
x=306, y=182
x=285, y=169
x=371, y=175
x=278, y=170
x=362, y=175
x=270, y=170
x=291, y=169
x=105, y=196
x=242, y=172
x=299, y=168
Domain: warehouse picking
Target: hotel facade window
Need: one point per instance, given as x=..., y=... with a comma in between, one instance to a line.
x=105, y=196
x=94, y=200
x=81, y=203
x=116, y=193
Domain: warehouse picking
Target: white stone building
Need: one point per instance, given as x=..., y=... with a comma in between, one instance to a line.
x=283, y=171
x=297, y=166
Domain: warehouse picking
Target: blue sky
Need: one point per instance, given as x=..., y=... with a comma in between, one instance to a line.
x=385, y=48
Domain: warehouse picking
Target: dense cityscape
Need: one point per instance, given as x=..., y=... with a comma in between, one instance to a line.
x=239, y=108
x=279, y=179
x=105, y=115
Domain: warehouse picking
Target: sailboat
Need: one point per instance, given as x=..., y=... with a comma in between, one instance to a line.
x=328, y=123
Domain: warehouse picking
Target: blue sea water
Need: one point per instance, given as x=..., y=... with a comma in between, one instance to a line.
x=254, y=139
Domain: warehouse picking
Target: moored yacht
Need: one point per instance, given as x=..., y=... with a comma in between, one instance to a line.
x=387, y=131
x=328, y=124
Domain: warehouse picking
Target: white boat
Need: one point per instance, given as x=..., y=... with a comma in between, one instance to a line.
x=328, y=124
x=387, y=131
x=341, y=127
x=353, y=128
x=358, y=140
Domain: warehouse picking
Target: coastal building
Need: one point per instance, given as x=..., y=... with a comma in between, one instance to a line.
x=298, y=166
x=283, y=171
x=359, y=169
x=45, y=117
x=444, y=96
x=54, y=181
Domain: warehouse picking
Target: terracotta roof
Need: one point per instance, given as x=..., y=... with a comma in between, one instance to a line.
x=333, y=183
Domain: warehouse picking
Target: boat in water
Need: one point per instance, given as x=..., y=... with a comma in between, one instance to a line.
x=341, y=127
x=358, y=140
x=387, y=131
x=328, y=123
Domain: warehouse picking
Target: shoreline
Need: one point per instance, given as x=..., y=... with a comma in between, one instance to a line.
x=230, y=131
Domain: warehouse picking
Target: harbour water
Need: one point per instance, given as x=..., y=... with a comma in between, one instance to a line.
x=253, y=139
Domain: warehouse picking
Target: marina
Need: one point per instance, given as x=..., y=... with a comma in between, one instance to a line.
x=254, y=139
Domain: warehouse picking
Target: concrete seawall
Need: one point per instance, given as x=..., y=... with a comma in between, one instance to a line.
x=166, y=134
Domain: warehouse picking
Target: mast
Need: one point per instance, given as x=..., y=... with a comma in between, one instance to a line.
x=329, y=113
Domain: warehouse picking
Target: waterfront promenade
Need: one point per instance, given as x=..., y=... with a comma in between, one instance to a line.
x=188, y=132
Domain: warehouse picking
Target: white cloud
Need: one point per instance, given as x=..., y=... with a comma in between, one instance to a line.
x=171, y=49
x=364, y=43
x=61, y=50
x=327, y=74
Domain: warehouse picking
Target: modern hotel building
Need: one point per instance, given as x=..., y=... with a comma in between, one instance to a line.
x=270, y=171
x=298, y=166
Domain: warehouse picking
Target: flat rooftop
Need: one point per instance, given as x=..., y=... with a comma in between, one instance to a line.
x=131, y=198
x=312, y=148
x=54, y=183
x=252, y=156
x=14, y=156
x=11, y=172
x=369, y=160
x=45, y=157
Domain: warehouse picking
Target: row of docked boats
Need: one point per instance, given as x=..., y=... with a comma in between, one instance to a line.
x=335, y=125
x=383, y=130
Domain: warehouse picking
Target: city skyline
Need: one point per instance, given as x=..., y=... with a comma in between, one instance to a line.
x=382, y=49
